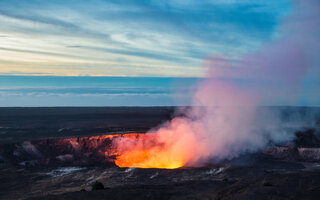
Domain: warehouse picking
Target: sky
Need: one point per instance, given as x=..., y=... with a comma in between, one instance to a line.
x=130, y=38
x=44, y=43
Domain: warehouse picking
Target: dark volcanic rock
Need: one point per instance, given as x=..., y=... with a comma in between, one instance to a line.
x=308, y=138
x=97, y=186
x=61, y=160
x=294, y=185
x=20, y=124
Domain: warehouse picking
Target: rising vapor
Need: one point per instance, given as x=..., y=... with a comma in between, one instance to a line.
x=223, y=122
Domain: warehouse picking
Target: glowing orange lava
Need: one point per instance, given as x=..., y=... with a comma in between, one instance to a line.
x=148, y=159
x=163, y=149
x=146, y=152
x=133, y=149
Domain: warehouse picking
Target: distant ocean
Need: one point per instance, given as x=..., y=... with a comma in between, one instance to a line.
x=94, y=91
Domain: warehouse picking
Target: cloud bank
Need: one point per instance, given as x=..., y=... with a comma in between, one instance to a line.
x=129, y=38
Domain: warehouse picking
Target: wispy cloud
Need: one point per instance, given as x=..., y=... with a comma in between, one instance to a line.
x=130, y=38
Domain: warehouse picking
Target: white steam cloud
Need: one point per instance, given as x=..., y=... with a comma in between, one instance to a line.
x=223, y=122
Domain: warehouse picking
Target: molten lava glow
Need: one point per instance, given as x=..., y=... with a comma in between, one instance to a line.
x=151, y=150
x=148, y=159
x=146, y=151
x=167, y=148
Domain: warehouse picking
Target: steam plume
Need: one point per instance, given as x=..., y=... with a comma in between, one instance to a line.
x=222, y=123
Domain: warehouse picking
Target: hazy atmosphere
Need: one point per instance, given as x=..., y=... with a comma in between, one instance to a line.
x=160, y=99
x=176, y=39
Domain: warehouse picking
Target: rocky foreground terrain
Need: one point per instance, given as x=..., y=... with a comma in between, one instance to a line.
x=261, y=179
x=256, y=185
x=68, y=168
x=64, y=161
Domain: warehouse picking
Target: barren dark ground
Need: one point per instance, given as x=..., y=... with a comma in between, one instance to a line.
x=37, y=163
x=19, y=124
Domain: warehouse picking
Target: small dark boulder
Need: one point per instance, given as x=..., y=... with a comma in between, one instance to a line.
x=97, y=186
x=266, y=183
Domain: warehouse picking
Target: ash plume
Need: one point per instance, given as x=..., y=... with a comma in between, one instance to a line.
x=224, y=121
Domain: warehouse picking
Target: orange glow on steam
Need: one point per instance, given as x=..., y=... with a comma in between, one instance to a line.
x=167, y=148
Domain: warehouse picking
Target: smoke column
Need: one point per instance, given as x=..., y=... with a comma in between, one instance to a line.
x=222, y=123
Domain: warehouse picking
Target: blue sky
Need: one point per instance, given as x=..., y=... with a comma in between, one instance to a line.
x=130, y=38
x=74, y=53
